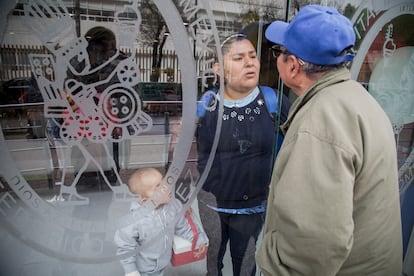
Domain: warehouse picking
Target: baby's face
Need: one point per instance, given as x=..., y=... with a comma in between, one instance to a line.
x=160, y=193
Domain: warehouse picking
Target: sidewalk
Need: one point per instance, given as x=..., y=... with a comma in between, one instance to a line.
x=26, y=251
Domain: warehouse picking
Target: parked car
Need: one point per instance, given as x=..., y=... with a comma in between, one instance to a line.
x=20, y=91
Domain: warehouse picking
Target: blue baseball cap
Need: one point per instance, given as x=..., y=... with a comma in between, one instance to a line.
x=317, y=34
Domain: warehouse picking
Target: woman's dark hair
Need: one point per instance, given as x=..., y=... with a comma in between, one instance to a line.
x=228, y=41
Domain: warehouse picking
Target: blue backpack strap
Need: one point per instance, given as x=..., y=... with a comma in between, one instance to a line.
x=204, y=102
x=269, y=94
x=271, y=100
x=272, y=104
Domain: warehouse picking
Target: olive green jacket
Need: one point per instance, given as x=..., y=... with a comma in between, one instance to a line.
x=333, y=207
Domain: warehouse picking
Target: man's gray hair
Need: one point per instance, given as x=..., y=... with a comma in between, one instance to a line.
x=311, y=69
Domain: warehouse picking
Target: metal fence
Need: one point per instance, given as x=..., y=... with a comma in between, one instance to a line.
x=14, y=63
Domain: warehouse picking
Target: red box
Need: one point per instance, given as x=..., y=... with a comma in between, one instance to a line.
x=186, y=257
x=184, y=251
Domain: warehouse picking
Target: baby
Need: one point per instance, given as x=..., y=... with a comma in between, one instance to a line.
x=145, y=243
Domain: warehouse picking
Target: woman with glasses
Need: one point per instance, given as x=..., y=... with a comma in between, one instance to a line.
x=233, y=198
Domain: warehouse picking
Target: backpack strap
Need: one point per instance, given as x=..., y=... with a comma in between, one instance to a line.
x=271, y=100
x=205, y=102
x=269, y=94
x=272, y=104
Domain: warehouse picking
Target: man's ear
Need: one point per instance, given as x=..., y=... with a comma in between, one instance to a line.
x=298, y=62
x=294, y=65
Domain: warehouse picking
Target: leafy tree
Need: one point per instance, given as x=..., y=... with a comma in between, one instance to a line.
x=349, y=10
x=267, y=11
x=298, y=4
x=154, y=33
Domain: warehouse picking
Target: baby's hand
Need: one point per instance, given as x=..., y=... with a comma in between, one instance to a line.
x=133, y=273
x=200, y=250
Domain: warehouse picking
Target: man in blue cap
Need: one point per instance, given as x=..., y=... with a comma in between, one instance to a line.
x=333, y=206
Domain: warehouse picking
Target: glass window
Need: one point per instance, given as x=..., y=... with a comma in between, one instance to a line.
x=85, y=102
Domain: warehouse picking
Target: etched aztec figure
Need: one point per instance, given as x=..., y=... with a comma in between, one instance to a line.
x=87, y=85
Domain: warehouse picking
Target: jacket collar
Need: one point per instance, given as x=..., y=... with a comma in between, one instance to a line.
x=329, y=79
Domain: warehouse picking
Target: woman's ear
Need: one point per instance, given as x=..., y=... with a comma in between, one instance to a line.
x=216, y=68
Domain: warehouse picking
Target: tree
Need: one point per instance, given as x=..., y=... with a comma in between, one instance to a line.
x=267, y=11
x=298, y=4
x=154, y=33
x=349, y=10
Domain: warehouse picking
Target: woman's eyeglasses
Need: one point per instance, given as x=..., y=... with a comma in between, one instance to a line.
x=277, y=50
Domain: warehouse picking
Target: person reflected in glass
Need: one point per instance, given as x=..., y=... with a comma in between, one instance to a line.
x=232, y=200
